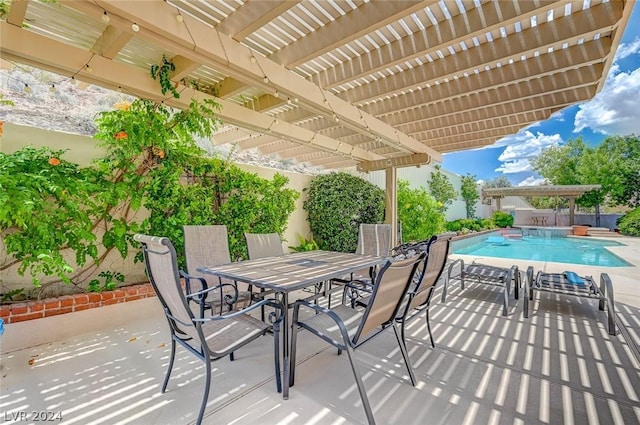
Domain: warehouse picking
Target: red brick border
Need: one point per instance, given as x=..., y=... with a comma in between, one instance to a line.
x=20, y=312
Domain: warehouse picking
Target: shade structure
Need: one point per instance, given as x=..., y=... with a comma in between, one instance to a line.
x=338, y=82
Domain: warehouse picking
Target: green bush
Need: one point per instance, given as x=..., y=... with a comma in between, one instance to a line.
x=629, y=224
x=453, y=226
x=487, y=223
x=418, y=212
x=336, y=205
x=502, y=219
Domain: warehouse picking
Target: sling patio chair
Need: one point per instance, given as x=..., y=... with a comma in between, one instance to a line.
x=373, y=239
x=261, y=245
x=421, y=291
x=208, y=338
x=569, y=283
x=348, y=328
x=486, y=274
x=208, y=245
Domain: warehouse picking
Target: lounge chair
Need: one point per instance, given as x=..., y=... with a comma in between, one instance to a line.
x=486, y=274
x=348, y=328
x=569, y=283
x=207, y=338
x=208, y=245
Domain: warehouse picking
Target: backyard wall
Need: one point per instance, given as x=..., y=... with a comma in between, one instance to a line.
x=419, y=177
x=82, y=150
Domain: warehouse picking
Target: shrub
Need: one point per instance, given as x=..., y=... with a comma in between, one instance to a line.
x=418, y=212
x=453, y=226
x=487, y=223
x=502, y=219
x=336, y=205
x=629, y=224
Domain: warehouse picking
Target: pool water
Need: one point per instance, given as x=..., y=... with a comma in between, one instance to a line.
x=556, y=249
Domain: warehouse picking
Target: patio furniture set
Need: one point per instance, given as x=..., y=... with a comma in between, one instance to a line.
x=214, y=312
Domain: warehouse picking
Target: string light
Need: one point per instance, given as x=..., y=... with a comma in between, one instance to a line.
x=52, y=89
x=74, y=81
x=276, y=94
x=253, y=59
x=105, y=17
x=295, y=99
x=27, y=89
x=88, y=68
x=135, y=27
x=266, y=80
x=179, y=17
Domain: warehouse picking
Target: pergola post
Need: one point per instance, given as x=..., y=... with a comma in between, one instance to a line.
x=572, y=207
x=498, y=206
x=391, y=203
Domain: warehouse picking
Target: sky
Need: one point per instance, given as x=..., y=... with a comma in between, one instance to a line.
x=615, y=110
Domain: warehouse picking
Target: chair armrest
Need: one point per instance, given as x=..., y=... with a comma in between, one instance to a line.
x=354, y=288
x=323, y=310
x=274, y=318
x=200, y=297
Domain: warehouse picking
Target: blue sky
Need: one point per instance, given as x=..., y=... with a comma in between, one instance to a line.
x=614, y=110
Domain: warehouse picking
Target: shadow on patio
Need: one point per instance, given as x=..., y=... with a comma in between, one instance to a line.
x=560, y=366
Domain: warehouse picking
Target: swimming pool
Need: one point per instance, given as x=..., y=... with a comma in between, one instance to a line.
x=556, y=249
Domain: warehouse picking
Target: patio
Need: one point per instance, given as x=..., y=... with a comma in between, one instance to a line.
x=560, y=366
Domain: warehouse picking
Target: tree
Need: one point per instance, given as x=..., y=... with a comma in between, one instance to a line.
x=469, y=193
x=441, y=189
x=501, y=181
x=418, y=212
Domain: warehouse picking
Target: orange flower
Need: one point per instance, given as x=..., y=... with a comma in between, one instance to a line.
x=121, y=135
x=54, y=161
x=157, y=152
x=123, y=106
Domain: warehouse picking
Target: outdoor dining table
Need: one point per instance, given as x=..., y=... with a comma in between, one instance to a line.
x=292, y=272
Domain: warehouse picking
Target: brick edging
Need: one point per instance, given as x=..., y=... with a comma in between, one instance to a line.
x=30, y=310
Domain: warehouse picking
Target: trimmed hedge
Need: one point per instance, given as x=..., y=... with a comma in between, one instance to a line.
x=337, y=204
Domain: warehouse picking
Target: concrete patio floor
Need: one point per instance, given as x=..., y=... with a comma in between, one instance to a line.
x=560, y=366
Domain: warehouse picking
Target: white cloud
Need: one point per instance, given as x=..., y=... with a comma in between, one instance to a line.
x=516, y=166
x=533, y=181
x=615, y=109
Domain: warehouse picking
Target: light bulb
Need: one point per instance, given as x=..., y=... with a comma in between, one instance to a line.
x=179, y=18
x=52, y=89
x=27, y=89
x=105, y=17
x=135, y=27
x=295, y=99
x=276, y=94
x=288, y=101
x=74, y=81
x=253, y=59
x=88, y=68
x=266, y=80
x=120, y=89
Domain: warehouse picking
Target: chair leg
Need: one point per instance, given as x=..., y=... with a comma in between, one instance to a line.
x=361, y=389
x=292, y=354
x=429, y=329
x=276, y=355
x=207, y=386
x=173, y=356
x=231, y=356
x=405, y=355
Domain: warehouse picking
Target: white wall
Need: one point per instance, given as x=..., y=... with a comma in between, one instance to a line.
x=419, y=177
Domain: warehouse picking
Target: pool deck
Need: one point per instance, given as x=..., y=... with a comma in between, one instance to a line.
x=559, y=366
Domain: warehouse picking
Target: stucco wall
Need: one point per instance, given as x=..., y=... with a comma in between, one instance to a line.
x=419, y=177
x=82, y=150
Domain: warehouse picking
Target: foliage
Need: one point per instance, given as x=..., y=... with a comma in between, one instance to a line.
x=548, y=202
x=614, y=164
x=110, y=281
x=469, y=193
x=51, y=208
x=46, y=206
x=418, y=212
x=305, y=244
x=500, y=181
x=441, y=189
x=502, y=219
x=465, y=225
x=629, y=224
x=336, y=205
x=162, y=73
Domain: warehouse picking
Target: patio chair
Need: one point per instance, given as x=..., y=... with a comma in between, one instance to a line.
x=569, y=283
x=208, y=338
x=421, y=291
x=260, y=245
x=486, y=274
x=348, y=328
x=373, y=239
x=208, y=245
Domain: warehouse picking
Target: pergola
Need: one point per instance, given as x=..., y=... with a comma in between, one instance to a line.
x=337, y=83
x=566, y=191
